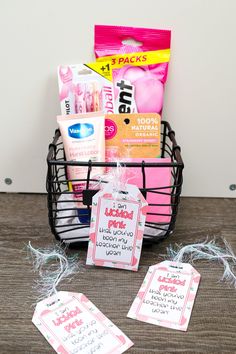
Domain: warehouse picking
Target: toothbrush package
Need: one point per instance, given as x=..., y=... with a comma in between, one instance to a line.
x=139, y=59
x=85, y=88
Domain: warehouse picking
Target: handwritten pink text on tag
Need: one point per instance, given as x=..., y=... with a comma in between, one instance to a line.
x=72, y=324
x=116, y=230
x=167, y=295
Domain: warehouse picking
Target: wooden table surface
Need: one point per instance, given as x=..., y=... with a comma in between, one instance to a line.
x=212, y=327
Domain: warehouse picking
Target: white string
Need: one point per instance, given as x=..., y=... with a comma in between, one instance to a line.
x=50, y=278
x=117, y=176
x=207, y=250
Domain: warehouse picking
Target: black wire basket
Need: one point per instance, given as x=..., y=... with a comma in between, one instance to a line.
x=70, y=227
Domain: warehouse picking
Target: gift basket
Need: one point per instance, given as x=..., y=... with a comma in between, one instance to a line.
x=111, y=131
x=70, y=226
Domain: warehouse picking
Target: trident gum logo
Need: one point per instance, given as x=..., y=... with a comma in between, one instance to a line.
x=125, y=100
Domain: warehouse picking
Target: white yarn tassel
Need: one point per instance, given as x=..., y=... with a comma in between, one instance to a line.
x=46, y=286
x=207, y=250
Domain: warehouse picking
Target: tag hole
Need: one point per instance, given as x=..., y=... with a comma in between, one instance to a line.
x=171, y=266
x=53, y=303
x=132, y=42
x=126, y=120
x=84, y=72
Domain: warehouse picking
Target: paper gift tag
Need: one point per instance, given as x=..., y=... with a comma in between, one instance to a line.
x=116, y=229
x=72, y=324
x=167, y=295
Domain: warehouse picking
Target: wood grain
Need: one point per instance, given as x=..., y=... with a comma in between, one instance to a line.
x=213, y=323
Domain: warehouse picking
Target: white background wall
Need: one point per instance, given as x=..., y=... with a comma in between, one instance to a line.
x=200, y=100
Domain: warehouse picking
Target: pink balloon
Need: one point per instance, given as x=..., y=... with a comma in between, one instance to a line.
x=133, y=73
x=149, y=94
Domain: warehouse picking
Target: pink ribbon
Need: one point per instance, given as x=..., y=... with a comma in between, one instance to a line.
x=66, y=77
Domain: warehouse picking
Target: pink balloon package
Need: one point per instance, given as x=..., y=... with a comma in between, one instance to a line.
x=139, y=58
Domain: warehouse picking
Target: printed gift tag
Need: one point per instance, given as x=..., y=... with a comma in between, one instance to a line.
x=167, y=295
x=72, y=324
x=116, y=229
